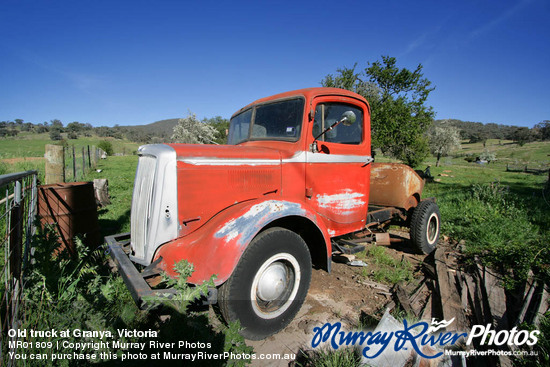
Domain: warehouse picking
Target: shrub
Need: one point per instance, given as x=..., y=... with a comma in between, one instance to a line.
x=64, y=292
x=55, y=134
x=106, y=146
x=498, y=228
x=487, y=156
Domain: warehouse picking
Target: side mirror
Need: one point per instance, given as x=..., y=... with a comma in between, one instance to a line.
x=348, y=118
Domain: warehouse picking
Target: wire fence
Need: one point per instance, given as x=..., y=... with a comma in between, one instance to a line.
x=18, y=199
x=80, y=160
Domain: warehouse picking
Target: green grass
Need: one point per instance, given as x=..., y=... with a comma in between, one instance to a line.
x=83, y=293
x=510, y=152
x=32, y=145
x=120, y=172
x=24, y=165
x=384, y=268
x=327, y=357
x=502, y=216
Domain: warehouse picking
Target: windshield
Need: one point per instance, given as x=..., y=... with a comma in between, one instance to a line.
x=272, y=121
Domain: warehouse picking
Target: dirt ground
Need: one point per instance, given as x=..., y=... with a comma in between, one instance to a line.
x=340, y=296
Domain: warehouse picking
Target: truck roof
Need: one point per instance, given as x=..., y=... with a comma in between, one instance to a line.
x=308, y=93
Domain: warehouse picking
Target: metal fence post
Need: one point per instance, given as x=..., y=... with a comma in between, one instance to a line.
x=17, y=218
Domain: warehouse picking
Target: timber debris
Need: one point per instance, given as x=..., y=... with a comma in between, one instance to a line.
x=472, y=295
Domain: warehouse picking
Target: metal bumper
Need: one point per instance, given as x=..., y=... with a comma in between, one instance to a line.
x=119, y=248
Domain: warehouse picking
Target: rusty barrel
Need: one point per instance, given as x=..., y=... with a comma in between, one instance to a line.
x=71, y=209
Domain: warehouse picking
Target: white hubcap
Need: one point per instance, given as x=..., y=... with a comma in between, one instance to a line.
x=433, y=228
x=275, y=285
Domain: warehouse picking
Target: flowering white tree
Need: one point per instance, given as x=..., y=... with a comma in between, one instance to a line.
x=190, y=130
x=443, y=140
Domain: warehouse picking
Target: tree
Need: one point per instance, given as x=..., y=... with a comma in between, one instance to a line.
x=348, y=79
x=41, y=128
x=399, y=116
x=191, y=131
x=443, y=140
x=222, y=127
x=543, y=129
x=55, y=133
x=12, y=132
x=27, y=126
x=139, y=136
x=478, y=137
x=75, y=127
x=56, y=124
x=522, y=135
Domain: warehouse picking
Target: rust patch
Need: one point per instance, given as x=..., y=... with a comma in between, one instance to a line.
x=394, y=184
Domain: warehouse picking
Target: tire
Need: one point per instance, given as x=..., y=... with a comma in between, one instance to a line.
x=269, y=284
x=425, y=226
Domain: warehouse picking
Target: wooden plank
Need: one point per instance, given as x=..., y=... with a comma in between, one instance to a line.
x=542, y=307
x=417, y=298
x=429, y=270
x=426, y=313
x=451, y=304
x=526, y=303
x=403, y=299
x=474, y=298
x=496, y=299
x=463, y=287
x=375, y=285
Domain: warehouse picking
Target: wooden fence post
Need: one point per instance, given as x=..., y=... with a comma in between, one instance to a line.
x=83, y=162
x=55, y=164
x=74, y=165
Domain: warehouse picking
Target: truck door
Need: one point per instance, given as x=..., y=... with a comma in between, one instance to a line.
x=338, y=171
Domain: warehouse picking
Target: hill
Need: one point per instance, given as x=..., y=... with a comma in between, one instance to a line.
x=161, y=129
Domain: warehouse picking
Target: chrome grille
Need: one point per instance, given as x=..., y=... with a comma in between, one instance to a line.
x=142, y=204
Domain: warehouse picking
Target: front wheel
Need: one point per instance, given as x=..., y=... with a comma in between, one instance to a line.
x=425, y=226
x=269, y=284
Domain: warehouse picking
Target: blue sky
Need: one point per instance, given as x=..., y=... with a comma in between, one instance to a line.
x=136, y=62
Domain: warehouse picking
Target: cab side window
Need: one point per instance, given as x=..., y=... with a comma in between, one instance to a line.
x=327, y=114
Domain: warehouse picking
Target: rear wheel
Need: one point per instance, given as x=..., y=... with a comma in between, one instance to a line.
x=269, y=284
x=425, y=226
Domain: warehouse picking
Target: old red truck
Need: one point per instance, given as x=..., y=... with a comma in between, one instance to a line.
x=259, y=212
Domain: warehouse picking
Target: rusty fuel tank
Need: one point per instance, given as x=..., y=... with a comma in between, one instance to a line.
x=71, y=209
x=396, y=185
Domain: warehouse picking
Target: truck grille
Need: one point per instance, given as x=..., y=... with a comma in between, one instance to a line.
x=142, y=204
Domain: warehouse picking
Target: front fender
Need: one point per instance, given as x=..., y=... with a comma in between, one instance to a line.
x=217, y=246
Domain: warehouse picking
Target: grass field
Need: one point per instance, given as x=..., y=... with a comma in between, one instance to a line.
x=32, y=145
x=120, y=171
x=533, y=155
x=509, y=152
